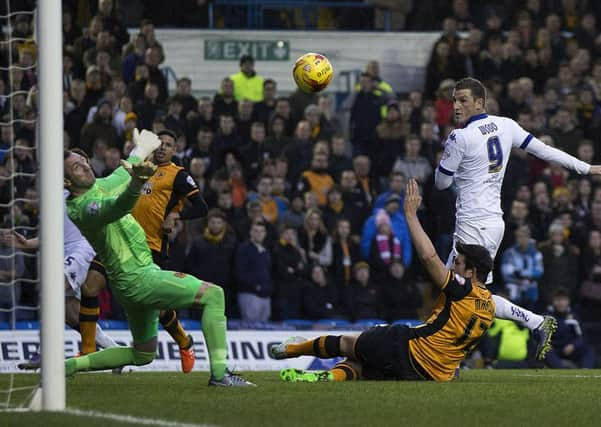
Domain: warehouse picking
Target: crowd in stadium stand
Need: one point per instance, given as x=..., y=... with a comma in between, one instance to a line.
x=306, y=217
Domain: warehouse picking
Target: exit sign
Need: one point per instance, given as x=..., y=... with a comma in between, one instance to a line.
x=261, y=50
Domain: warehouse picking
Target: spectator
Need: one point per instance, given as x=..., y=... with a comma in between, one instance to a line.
x=441, y=66
x=224, y=102
x=314, y=239
x=345, y=254
x=339, y=161
x=355, y=200
x=369, y=185
x=295, y=213
x=183, y=93
x=522, y=266
x=271, y=208
x=399, y=230
x=247, y=84
x=365, y=116
x=277, y=140
x=317, y=179
x=299, y=153
x=226, y=138
x=112, y=24
x=384, y=249
x=211, y=254
x=255, y=152
x=134, y=59
x=590, y=268
x=412, y=164
x=335, y=209
x=390, y=135
x=152, y=59
x=560, y=260
x=150, y=108
x=202, y=117
x=320, y=128
x=244, y=119
x=507, y=345
x=289, y=272
x=253, y=275
x=136, y=88
x=263, y=110
x=364, y=295
x=318, y=295
x=396, y=186
x=101, y=127
x=569, y=348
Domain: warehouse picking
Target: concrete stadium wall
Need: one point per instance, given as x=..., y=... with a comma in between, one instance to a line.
x=194, y=53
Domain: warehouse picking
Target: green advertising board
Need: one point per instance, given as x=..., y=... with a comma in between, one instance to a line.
x=261, y=50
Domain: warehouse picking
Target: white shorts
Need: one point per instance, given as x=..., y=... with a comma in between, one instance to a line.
x=77, y=265
x=484, y=233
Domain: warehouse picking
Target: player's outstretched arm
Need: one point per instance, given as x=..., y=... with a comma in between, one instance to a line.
x=423, y=245
x=107, y=209
x=545, y=152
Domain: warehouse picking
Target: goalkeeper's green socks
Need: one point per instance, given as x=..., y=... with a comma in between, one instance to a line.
x=109, y=358
x=214, y=328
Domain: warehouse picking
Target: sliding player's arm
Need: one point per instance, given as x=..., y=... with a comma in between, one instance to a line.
x=423, y=245
x=450, y=161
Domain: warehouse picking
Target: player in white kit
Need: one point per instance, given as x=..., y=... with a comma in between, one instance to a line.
x=475, y=158
x=79, y=268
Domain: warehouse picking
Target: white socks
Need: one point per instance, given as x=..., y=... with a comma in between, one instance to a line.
x=103, y=340
x=505, y=309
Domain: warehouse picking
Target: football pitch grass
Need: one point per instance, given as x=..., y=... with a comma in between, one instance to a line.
x=478, y=398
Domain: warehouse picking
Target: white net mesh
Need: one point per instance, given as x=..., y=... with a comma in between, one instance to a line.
x=18, y=198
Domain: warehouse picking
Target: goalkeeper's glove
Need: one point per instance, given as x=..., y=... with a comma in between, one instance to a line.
x=140, y=171
x=145, y=143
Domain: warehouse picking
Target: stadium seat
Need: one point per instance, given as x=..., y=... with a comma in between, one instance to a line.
x=190, y=325
x=408, y=322
x=27, y=325
x=4, y=325
x=299, y=323
x=368, y=323
x=113, y=324
x=331, y=323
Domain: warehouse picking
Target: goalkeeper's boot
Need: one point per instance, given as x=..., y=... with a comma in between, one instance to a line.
x=279, y=351
x=187, y=356
x=292, y=375
x=544, y=333
x=230, y=380
x=34, y=363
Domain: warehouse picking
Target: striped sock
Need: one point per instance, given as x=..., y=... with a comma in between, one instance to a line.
x=325, y=347
x=175, y=328
x=88, y=318
x=344, y=372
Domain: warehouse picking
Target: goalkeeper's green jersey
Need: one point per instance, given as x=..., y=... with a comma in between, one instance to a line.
x=102, y=215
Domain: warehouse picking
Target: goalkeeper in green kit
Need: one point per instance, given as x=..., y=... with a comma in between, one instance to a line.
x=101, y=210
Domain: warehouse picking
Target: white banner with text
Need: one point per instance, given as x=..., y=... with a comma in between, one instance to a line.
x=247, y=350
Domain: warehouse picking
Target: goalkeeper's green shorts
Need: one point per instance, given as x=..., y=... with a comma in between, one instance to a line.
x=150, y=290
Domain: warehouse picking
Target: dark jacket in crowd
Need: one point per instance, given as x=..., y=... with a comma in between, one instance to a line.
x=253, y=270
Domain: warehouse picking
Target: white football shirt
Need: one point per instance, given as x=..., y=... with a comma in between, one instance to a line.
x=476, y=157
x=74, y=240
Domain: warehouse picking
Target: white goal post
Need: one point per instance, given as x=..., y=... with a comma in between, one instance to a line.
x=50, y=134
